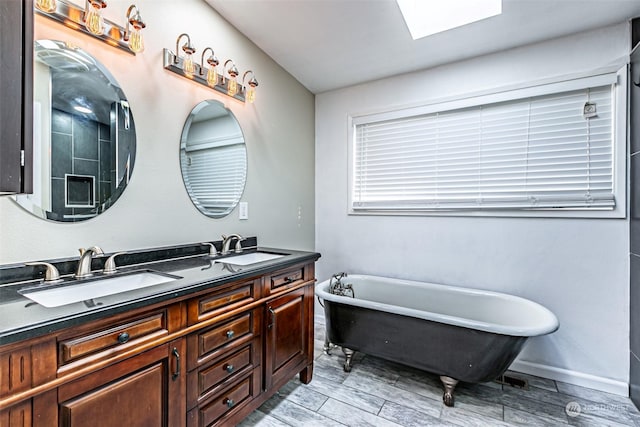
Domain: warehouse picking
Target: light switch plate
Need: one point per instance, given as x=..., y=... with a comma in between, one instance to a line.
x=243, y=210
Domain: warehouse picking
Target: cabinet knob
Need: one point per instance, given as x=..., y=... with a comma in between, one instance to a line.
x=229, y=402
x=229, y=334
x=229, y=368
x=123, y=338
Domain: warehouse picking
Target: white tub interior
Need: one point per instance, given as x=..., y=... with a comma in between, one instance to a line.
x=472, y=308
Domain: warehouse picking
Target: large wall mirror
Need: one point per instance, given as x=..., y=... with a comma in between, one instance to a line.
x=213, y=159
x=84, y=135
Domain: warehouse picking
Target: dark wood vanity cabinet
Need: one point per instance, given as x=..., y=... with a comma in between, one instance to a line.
x=145, y=390
x=289, y=337
x=16, y=93
x=208, y=360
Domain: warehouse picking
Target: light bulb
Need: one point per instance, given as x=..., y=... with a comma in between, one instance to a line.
x=188, y=67
x=212, y=77
x=46, y=5
x=136, y=42
x=251, y=94
x=93, y=19
x=232, y=89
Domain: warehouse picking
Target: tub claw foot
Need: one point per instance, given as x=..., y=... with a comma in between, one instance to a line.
x=327, y=347
x=349, y=361
x=449, y=385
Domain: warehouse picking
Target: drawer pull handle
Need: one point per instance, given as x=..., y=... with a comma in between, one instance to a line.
x=176, y=373
x=288, y=280
x=229, y=402
x=229, y=368
x=123, y=338
x=230, y=334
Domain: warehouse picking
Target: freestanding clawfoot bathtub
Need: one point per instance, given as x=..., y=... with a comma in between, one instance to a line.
x=458, y=333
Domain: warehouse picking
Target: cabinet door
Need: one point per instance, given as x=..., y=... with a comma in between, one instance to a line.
x=16, y=85
x=146, y=390
x=289, y=337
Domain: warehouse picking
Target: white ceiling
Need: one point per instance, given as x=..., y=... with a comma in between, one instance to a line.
x=328, y=44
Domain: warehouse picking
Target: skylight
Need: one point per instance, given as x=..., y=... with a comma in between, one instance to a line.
x=426, y=17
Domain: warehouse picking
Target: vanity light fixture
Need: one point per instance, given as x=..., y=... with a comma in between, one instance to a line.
x=188, y=67
x=231, y=77
x=46, y=5
x=89, y=20
x=250, y=91
x=206, y=72
x=134, y=36
x=212, y=74
x=93, y=20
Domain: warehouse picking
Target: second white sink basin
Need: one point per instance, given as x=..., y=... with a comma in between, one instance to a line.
x=55, y=296
x=250, y=258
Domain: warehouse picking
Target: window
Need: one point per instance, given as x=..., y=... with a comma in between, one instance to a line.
x=550, y=147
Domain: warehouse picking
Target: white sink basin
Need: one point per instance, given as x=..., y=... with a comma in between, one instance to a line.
x=56, y=296
x=250, y=258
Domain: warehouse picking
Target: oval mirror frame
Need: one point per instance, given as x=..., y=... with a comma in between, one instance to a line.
x=213, y=159
x=84, y=135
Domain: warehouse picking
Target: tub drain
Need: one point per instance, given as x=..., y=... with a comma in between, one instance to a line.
x=513, y=381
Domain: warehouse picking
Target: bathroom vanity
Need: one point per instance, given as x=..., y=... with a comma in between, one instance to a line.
x=204, y=349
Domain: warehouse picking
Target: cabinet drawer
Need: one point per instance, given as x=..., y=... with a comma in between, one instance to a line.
x=229, y=401
x=285, y=279
x=222, y=300
x=211, y=343
x=206, y=381
x=114, y=338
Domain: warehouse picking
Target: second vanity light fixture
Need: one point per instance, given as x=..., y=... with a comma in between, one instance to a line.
x=90, y=21
x=206, y=72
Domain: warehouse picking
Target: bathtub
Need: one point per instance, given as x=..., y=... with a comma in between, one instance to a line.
x=458, y=333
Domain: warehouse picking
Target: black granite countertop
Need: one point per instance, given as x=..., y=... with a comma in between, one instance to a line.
x=22, y=318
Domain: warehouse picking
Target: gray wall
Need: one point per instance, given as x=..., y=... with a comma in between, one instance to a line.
x=578, y=268
x=155, y=209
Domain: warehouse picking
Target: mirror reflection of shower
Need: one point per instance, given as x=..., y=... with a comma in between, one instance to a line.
x=84, y=135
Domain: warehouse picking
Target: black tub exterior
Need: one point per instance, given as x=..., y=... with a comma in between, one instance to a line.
x=465, y=354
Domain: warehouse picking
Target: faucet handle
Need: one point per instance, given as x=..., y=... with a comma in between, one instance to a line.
x=110, y=264
x=213, y=252
x=239, y=244
x=52, y=275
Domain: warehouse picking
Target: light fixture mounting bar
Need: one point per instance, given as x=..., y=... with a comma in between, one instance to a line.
x=72, y=16
x=169, y=63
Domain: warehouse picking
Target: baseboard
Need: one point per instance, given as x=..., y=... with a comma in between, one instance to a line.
x=572, y=377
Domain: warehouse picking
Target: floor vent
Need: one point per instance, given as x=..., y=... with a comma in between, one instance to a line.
x=513, y=381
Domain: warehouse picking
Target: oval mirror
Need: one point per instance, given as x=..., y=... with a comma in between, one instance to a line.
x=84, y=139
x=213, y=159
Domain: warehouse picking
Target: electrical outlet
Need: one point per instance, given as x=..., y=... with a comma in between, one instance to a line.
x=243, y=210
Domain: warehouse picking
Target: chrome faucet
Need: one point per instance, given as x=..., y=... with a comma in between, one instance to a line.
x=226, y=244
x=84, y=265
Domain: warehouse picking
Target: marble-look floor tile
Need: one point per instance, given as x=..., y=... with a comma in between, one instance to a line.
x=260, y=419
x=409, y=416
x=547, y=400
x=296, y=392
x=524, y=418
x=595, y=395
x=295, y=415
x=391, y=393
x=586, y=420
x=325, y=366
x=352, y=416
x=534, y=381
x=470, y=419
x=351, y=396
x=419, y=387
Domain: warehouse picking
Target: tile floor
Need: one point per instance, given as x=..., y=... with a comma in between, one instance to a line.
x=381, y=393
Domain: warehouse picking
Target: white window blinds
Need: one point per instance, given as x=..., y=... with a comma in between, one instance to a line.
x=216, y=174
x=536, y=152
